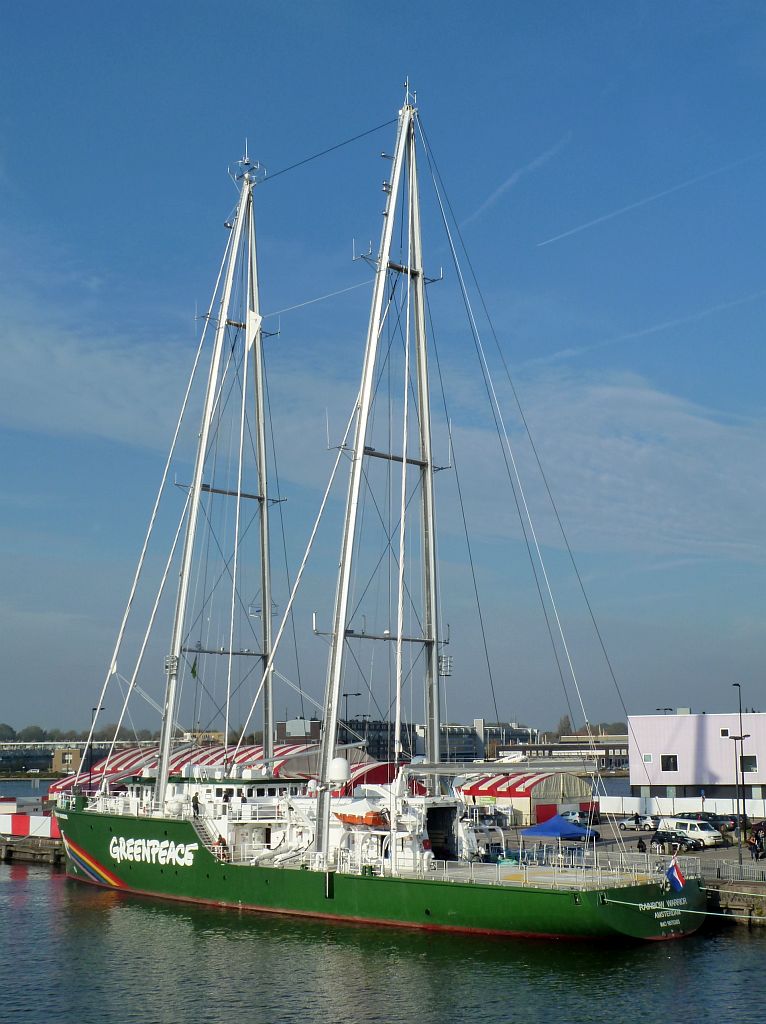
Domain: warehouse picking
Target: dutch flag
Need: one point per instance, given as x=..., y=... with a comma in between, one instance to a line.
x=674, y=876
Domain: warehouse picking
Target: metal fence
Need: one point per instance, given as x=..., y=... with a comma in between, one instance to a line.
x=731, y=871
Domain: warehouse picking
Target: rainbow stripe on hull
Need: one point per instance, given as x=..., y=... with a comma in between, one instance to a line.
x=82, y=863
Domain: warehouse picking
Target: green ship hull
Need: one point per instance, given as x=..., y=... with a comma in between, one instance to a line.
x=165, y=858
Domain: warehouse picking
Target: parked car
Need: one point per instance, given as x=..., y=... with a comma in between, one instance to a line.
x=723, y=822
x=591, y=835
x=667, y=840
x=580, y=818
x=642, y=822
x=697, y=829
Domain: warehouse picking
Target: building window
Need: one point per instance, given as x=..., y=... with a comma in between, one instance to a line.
x=647, y=758
x=748, y=763
x=724, y=732
x=669, y=762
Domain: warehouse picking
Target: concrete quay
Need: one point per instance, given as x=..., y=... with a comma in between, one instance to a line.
x=32, y=850
x=737, y=893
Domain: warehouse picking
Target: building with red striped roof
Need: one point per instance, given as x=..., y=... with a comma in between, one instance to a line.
x=528, y=796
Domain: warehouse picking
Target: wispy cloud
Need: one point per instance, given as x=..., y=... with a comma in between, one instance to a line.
x=648, y=199
x=665, y=325
x=517, y=175
x=637, y=469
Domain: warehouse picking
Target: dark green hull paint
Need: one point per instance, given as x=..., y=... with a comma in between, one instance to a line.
x=403, y=902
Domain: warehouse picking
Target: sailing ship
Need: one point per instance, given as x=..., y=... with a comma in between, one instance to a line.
x=334, y=836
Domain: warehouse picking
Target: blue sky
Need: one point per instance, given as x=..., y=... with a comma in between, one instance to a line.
x=606, y=164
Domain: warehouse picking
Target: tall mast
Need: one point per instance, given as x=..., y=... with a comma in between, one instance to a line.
x=243, y=228
x=405, y=143
x=430, y=621
x=255, y=341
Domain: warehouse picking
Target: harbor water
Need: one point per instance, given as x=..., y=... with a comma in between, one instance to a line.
x=73, y=952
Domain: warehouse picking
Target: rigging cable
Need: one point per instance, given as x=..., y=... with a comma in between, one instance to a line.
x=543, y=475
x=324, y=152
x=284, y=536
x=461, y=503
x=503, y=435
x=152, y=520
x=595, y=777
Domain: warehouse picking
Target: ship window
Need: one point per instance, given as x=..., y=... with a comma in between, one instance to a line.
x=724, y=732
x=647, y=758
x=748, y=763
x=669, y=762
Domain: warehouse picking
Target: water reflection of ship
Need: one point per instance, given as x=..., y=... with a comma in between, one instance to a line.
x=335, y=947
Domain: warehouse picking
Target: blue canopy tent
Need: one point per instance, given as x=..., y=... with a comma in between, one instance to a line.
x=544, y=844
x=559, y=828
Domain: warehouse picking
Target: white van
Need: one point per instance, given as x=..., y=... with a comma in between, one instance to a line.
x=702, y=830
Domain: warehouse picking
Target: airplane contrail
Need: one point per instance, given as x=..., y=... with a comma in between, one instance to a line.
x=648, y=199
x=511, y=181
x=571, y=353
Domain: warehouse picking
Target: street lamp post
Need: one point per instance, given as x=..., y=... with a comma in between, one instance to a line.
x=93, y=713
x=737, y=767
x=345, y=709
x=741, y=750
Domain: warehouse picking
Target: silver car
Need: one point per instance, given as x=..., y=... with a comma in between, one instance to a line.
x=642, y=823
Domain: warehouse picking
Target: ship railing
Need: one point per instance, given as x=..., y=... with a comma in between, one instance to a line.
x=247, y=852
x=152, y=808
x=222, y=853
x=639, y=865
x=207, y=829
x=611, y=861
x=115, y=804
x=555, y=871
x=257, y=810
x=348, y=863
x=511, y=872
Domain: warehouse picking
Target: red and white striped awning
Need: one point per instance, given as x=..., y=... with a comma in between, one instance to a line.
x=126, y=763
x=522, y=784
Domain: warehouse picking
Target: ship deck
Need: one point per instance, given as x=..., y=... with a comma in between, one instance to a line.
x=607, y=872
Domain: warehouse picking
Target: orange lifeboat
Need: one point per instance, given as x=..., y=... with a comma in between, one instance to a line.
x=372, y=819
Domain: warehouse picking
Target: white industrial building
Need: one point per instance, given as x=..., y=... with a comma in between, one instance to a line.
x=686, y=755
